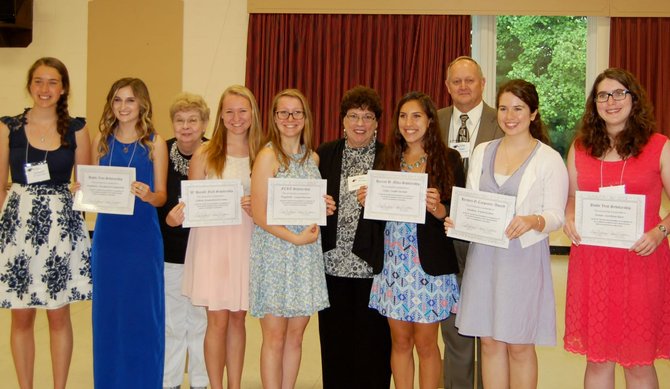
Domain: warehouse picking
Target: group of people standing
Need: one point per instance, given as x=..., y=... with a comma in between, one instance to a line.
x=381, y=288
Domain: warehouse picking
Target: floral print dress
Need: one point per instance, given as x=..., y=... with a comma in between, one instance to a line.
x=287, y=280
x=44, y=245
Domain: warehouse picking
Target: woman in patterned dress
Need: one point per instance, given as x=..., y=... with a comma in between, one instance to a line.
x=415, y=276
x=44, y=245
x=288, y=283
x=618, y=301
x=349, y=327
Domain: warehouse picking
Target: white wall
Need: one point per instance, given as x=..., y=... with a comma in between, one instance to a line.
x=59, y=30
x=215, y=47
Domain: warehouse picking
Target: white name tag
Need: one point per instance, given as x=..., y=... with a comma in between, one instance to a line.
x=461, y=147
x=356, y=182
x=36, y=172
x=615, y=189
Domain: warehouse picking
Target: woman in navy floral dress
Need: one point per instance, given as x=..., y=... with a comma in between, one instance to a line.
x=44, y=245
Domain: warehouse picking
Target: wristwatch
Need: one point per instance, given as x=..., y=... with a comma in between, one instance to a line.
x=663, y=230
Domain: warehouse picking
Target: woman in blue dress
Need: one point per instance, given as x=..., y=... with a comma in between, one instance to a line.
x=415, y=264
x=44, y=245
x=127, y=252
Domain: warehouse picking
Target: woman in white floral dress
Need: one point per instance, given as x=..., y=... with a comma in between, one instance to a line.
x=44, y=245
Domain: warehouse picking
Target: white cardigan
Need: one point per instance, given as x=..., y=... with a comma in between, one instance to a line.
x=543, y=189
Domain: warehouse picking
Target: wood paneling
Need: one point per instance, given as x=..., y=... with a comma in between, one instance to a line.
x=656, y=8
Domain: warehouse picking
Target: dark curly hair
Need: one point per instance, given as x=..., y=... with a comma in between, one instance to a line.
x=61, y=106
x=592, y=134
x=361, y=97
x=528, y=94
x=440, y=166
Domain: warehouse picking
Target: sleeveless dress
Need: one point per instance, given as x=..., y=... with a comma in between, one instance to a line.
x=287, y=280
x=44, y=244
x=618, y=303
x=216, y=268
x=507, y=294
x=128, y=298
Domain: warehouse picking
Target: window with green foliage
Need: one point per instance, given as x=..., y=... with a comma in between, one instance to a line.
x=550, y=52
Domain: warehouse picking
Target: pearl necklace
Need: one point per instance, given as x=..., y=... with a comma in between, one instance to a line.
x=178, y=161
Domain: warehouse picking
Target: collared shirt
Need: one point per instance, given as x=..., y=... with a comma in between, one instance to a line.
x=474, y=119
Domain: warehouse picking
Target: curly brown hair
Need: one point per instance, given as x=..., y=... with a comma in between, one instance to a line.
x=361, y=97
x=592, y=133
x=440, y=166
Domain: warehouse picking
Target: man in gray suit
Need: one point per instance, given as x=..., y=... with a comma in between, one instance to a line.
x=465, y=124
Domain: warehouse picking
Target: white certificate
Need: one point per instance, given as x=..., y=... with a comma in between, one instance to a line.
x=396, y=196
x=296, y=201
x=105, y=189
x=212, y=202
x=481, y=217
x=610, y=220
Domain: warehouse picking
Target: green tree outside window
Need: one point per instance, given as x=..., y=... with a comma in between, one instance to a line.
x=550, y=52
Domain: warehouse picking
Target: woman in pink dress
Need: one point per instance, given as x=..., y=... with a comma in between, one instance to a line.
x=618, y=301
x=216, y=268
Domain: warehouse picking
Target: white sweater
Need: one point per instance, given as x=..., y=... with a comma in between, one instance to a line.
x=543, y=189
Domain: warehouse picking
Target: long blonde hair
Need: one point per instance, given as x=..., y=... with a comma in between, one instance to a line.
x=274, y=136
x=215, y=150
x=144, y=127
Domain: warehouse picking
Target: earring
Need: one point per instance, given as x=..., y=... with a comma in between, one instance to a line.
x=345, y=134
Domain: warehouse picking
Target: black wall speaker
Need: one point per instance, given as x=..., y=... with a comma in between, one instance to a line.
x=16, y=23
x=8, y=11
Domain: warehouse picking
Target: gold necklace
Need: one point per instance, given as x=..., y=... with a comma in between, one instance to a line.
x=521, y=152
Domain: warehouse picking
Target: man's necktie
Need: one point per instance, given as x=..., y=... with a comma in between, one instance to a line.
x=464, y=136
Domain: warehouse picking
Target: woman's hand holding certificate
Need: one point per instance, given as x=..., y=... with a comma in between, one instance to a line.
x=396, y=196
x=295, y=201
x=608, y=219
x=105, y=189
x=212, y=202
x=480, y=217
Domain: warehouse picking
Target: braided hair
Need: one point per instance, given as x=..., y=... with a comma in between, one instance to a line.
x=62, y=112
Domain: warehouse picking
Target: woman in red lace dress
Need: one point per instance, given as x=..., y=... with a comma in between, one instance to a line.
x=618, y=302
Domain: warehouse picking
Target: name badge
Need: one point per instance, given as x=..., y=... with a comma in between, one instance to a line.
x=355, y=182
x=461, y=147
x=36, y=172
x=615, y=189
